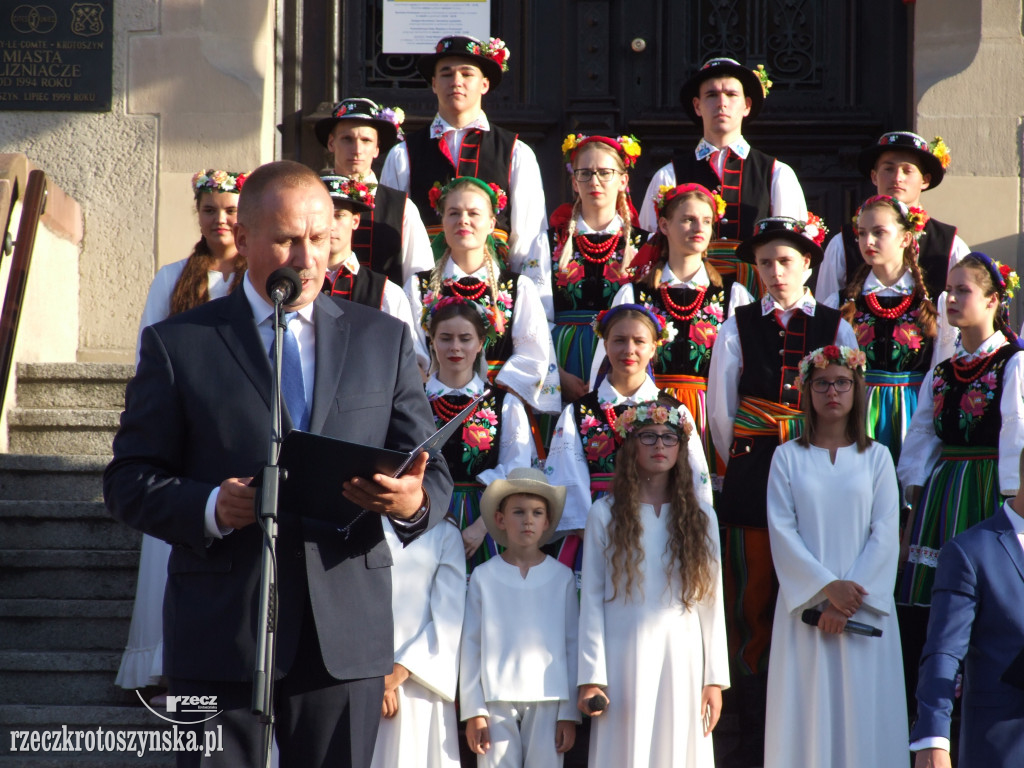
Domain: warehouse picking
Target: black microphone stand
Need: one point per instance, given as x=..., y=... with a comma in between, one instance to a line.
x=266, y=512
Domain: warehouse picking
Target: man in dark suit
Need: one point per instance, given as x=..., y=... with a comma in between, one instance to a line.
x=193, y=434
x=977, y=625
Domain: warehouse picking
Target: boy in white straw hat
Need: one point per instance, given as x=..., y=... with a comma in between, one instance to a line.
x=518, y=662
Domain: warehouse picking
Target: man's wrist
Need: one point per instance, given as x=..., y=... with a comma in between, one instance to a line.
x=419, y=514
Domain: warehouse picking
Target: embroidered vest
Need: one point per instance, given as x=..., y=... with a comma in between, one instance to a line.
x=936, y=246
x=594, y=274
x=377, y=242
x=746, y=187
x=696, y=326
x=484, y=154
x=474, y=448
x=967, y=412
x=597, y=435
x=894, y=344
x=366, y=287
x=772, y=354
x=508, y=288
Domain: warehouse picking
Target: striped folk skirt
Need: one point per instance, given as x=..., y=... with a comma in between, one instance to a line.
x=891, y=402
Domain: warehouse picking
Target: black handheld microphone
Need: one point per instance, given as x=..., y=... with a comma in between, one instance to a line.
x=811, y=616
x=596, y=703
x=284, y=285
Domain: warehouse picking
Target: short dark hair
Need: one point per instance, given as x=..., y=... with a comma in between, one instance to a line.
x=281, y=173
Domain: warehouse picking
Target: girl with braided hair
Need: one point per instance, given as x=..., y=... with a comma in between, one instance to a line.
x=519, y=358
x=593, y=244
x=898, y=327
x=652, y=618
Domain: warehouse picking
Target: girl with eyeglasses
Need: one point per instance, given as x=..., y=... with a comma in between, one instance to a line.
x=593, y=243
x=583, y=448
x=961, y=454
x=897, y=325
x=835, y=698
x=652, y=621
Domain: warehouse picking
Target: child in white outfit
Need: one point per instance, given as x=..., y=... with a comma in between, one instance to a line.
x=518, y=662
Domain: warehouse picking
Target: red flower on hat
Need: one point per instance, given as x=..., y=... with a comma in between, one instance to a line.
x=1005, y=271
x=500, y=196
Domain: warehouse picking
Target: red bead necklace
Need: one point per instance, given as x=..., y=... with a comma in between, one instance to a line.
x=472, y=291
x=447, y=410
x=679, y=311
x=965, y=373
x=888, y=314
x=609, y=415
x=597, y=253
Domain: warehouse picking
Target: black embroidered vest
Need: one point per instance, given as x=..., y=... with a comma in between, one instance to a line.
x=474, y=448
x=366, y=287
x=894, y=344
x=689, y=354
x=377, y=243
x=967, y=413
x=589, y=281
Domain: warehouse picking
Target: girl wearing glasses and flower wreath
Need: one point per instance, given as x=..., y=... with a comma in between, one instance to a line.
x=835, y=698
x=652, y=621
x=960, y=457
x=584, y=444
x=495, y=438
x=519, y=357
x=897, y=325
x=213, y=269
x=593, y=243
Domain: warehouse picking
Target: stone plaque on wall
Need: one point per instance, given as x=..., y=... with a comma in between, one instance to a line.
x=56, y=55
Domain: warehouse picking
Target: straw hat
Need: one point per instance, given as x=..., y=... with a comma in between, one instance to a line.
x=522, y=480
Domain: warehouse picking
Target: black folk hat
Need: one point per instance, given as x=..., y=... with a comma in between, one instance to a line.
x=723, y=67
x=387, y=121
x=793, y=231
x=903, y=141
x=491, y=56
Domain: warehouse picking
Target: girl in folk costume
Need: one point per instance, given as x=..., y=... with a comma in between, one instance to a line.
x=652, y=619
x=496, y=436
x=520, y=358
x=582, y=456
x=682, y=286
x=753, y=407
x=213, y=269
x=428, y=587
x=835, y=696
x=896, y=322
x=960, y=455
x=593, y=243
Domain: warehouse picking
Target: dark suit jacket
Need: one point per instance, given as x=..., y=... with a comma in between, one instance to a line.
x=196, y=413
x=977, y=618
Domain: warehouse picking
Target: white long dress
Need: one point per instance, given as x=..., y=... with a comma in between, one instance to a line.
x=428, y=588
x=142, y=661
x=836, y=700
x=652, y=654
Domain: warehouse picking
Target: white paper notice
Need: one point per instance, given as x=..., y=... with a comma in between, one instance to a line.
x=415, y=26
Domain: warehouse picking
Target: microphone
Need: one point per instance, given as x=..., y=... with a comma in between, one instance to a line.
x=596, y=703
x=811, y=616
x=284, y=285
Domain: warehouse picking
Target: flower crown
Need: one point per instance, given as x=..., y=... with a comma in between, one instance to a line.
x=342, y=187
x=823, y=357
x=628, y=147
x=666, y=333
x=762, y=75
x=938, y=148
x=494, y=49
x=651, y=412
x=667, y=193
x=393, y=115
x=494, y=321
x=497, y=196
x=211, y=180
x=914, y=216
x=1002, y=274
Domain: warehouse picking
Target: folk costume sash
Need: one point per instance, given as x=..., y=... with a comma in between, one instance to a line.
x=486, y=155
x=377, y=243
x=365, y=287
x=936, y=246
x=757, y=416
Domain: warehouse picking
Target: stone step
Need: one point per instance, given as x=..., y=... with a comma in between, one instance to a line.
x=59, y=677
x=64, y=477
x=60, y=431
x=54, y=718
x=68, y=574
x=63, y=525
x=52, y=625
x=72, y=385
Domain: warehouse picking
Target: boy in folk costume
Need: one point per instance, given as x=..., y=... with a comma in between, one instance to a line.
x=391, y=238
x=720, y=97
x=460, y=141
x=902, y=165
x=753, y=406
x=346, y=278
